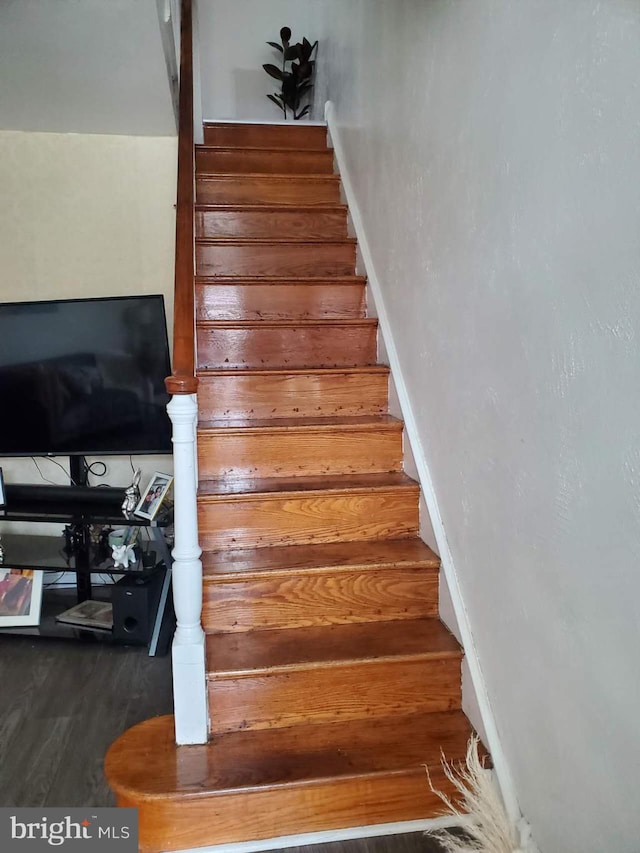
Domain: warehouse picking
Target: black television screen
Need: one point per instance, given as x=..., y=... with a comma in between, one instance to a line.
x=84, y=376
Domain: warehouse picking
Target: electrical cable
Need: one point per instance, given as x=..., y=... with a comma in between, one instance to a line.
x=100, y=473
x=53, y=582
x=46, y=480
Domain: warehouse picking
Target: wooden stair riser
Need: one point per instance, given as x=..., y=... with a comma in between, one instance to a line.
x=262, y=344
x=270, y=162
x=271, y=394
x=298, y=518
x=275, y=259
x=279, y=301
x=167, y=824
x=272, y=223
x=331, y=693
x=290, y=452
x=319, y=598
x=298, y=136
x=265, y=189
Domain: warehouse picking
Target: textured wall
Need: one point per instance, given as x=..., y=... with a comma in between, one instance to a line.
x=495, y=150
x=85, y=215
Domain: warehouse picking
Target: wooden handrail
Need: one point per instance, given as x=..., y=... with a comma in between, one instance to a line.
x=183, y=379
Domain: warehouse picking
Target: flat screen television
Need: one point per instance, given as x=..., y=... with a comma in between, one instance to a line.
x=84, y=377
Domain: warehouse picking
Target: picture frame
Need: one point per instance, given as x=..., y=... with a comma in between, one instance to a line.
x=20, y=597
x=3, y=494
x=153, y=496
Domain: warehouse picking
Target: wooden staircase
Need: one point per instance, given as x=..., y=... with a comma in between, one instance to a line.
x=331, y=679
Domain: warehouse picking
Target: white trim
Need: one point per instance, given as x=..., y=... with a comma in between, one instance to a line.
x=291, y=123
x=170, y=52
x=198, y=130
x=189, y=648
x=503, y=774
x=329, y=835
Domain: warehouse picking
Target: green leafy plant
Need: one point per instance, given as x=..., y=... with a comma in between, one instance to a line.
x=296, y=79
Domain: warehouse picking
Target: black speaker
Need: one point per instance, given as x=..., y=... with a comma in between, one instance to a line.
x=135, y=603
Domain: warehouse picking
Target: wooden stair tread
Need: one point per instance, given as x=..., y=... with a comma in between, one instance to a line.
x=259, y=149
x=311, y=424
x=146, y=763
x=271, y=177
x=204, y=146
x=286, y=324
x=273, y=206
x=346, y=556
x=279, y=279
x=224, y=488
x=274, y=241
x=230, y=655
x=293, y=371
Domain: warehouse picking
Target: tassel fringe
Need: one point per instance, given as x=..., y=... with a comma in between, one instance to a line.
x=481, y=813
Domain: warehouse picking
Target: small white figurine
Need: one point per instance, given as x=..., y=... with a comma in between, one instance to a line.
x=123, y=555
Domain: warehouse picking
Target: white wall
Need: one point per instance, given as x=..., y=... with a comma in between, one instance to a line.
x=233, y=38
x=83, y=66
x=495, y=153
x=86, y=215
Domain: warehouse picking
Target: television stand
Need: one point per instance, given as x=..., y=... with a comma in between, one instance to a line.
x=76, y=552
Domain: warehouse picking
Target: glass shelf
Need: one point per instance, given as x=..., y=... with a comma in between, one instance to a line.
x=48, y=553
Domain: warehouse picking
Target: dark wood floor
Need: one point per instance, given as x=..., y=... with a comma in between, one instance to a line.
x=63, y=702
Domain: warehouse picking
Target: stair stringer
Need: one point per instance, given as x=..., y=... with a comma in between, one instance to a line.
x=475, y=698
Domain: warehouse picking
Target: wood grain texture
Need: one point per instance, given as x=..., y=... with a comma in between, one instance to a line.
x=279, y=299
x=333, y=557
x=297, y=514
x=376, y=690
x=319, y=599
x=183, y=379
x=250, y=785
x=286, y=343
x=289, y=136
x=322, y=392
x=331, y=680
x=265, y=160
x=281, y=258
x=268, y=189
x=176, y=825
x=318, y=648
x=264, y=222
x=300, y=448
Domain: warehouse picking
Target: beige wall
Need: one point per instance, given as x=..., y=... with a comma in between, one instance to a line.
x=85, y=215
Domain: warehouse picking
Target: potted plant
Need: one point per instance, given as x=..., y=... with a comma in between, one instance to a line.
x=296, y=80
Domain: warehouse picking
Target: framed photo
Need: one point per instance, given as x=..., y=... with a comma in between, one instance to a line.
x=20, y=597
x=3, y=496
x=153, y=496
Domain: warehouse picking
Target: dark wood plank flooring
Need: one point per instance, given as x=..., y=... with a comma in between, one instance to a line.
x=63, y=702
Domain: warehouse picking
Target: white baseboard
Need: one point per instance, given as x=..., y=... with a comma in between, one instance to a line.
x=307, y=838
x=503, y=774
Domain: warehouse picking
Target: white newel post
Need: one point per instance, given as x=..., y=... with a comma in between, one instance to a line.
x=188, y=653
